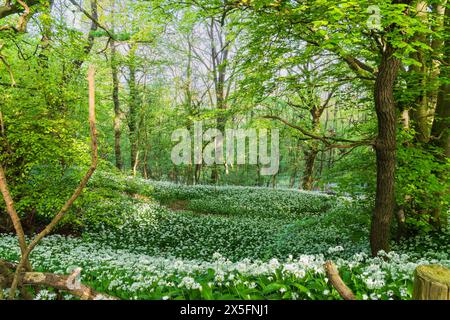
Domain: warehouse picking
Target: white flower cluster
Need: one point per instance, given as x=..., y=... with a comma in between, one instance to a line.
x=155, y=252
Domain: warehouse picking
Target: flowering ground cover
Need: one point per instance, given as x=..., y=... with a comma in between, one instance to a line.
x=275, y=249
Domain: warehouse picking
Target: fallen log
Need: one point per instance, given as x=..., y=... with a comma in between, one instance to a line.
x=56, y=281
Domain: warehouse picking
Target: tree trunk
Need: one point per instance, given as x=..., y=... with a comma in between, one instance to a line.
x=293, y=177
x=274, y=180
x=311, y=153
x=440, y=128
x=132, y=113
x=385, y=147
x=420, y=78
x=117, y=113
x=308, y=173
x=219, y=58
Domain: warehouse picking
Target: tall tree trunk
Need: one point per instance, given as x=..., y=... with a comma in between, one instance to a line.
x=145, y=164
x=219, y=58
x=420, y=112
x=385, y=147
x=117, y=113
x=133, y=110
x=441, y=124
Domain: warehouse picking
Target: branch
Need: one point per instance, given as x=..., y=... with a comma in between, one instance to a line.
x=8, y=67
x=336, y=281
x=92, y=18
x=90, y=39
x=77, y=192
x=10, y=9
x=23, y=19
x=324, y=139
x=12, y=211
x=363, y=70
x=22, y=23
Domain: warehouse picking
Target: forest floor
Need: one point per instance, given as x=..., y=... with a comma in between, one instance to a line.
x=156, y=240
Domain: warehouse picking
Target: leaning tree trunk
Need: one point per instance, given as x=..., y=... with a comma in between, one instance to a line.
x=385, y=147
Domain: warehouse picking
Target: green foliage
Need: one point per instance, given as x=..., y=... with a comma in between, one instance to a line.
x=145, y=251
x=420, y=189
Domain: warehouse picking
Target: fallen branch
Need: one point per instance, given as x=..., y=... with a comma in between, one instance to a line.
x=336, y=281
x=56, y=281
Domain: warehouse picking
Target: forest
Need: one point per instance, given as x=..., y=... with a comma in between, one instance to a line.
x=224, y=149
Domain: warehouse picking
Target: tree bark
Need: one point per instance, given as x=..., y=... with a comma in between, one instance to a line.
x=385, y=147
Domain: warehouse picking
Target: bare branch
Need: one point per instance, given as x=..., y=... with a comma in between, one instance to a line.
x=10, y=9
x=325, y=139
x=93, y=18
x=24, y=8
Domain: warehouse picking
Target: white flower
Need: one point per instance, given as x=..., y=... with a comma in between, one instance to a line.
x=217, y=256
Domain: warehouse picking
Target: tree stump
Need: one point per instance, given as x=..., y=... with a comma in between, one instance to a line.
x=431, y=282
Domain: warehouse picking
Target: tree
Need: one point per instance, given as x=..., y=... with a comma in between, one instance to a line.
x=320, y=24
